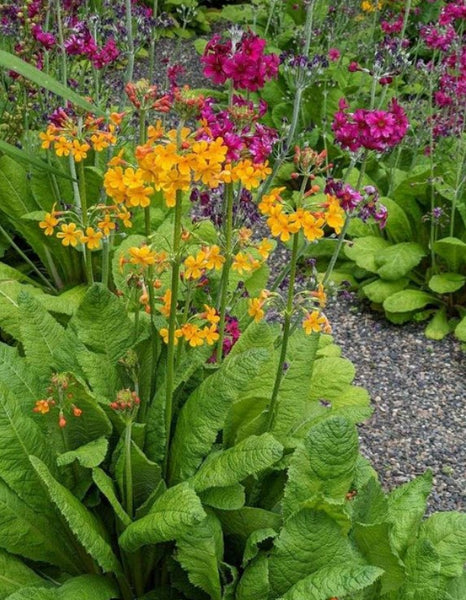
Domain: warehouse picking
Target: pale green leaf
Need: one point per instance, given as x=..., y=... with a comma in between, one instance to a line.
x=227, y=467
x=379, y=290
x=333, y=581
x=423, y=577
x=453, y=250
x=363, y=251
x=438, y=326
x=90, y=455
x=395, y=262
x=447, y=533
x=398, y=227
x=204, y=413
x=84, y=587
x=171, y=516
x=330, y=377
x=21, y=380
x=85, y=526
x=246, y=520
x=199, y=551
x=460, y=330
x=446, y=283
x=257, y=537
x=408, y=300
x=406, y=506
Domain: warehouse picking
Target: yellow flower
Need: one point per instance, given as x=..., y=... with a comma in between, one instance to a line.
x=49, y=222
x=125, y=216
x=242, y=263
x=143, y=256
x=48, y=137
x=69, y=235
x=106, y=225
x=270, y=200
x=255, y=308
x=79, y=150
x=164, y=333
x=314, y=321
x=335, y=217
x=42, y=407
x=133, y=179
x=282, y=226
x=139, y=196
x=167, y=300
x=264, y=248
x=312, y=226
x=249, y=174
x=210, y=314
x=213, y=258
x=194, y=267
x=320, y=295
x=210, y=334
x=100, y=141
x=92, y=238
x=62, y=146
x=192, y=334
x=113, y=181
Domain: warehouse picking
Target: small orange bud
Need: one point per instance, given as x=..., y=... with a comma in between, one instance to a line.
x=77, y=411
x=157, y=284
x=62, y=421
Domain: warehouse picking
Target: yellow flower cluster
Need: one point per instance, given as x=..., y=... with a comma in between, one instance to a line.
x=71, y=138
x=207, y=258
x=369, y=7
x=316, y=322
x=283, y=224
x=197, y=334
x=256, y=306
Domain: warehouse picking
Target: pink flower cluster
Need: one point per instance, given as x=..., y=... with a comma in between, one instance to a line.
x=377, y=130
x=81, y=43
x=452, y=11
x=244, y=63
x=238, y=126
x=364, y=205
x=438, y=38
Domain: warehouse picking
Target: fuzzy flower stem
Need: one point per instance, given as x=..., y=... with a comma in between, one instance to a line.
x=170, y=380
x=83, y=199
x=129, y=33
x=308, y=26
x=61, y=39
x=128, y=471
x=272, y=413
x=226, y=267
x=405, y=19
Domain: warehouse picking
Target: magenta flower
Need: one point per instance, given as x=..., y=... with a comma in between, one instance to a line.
x=334, y=54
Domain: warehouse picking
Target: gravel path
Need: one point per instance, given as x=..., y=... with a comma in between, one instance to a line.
x=418, y=391
x=417, y=386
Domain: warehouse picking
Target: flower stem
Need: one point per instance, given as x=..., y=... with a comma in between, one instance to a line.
x=128, y=471
x=170, y=378
x=84, y=219
x=226, y=267
x=286, y=335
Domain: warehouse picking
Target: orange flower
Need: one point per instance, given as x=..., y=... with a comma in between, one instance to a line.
x=315, y=322
x=106, y=225
x=210, y=314
x=49, y=222
x=194, y=267
x=312, y=226
x=281, y=225
x=192, y=334
x=79, y=150
x=48, y=137
x=62, y=146
x=92, y=238
x=264, y=248
x=210, y=334
x=143, y=256
x=213, y=258
x=320, y=295
x=255, y=308
x=69, y=235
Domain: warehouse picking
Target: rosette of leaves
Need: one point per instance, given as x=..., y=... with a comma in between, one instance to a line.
x=234, y=511
x=404, y=271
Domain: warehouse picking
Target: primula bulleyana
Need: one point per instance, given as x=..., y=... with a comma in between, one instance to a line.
x=70, y=235
x=142, y=256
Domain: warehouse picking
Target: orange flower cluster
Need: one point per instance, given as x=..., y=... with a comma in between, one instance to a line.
x=197, y=334
x=60, y=396
x=256, y=306
x=283, y=224
x=207, y=258
x=76, y=139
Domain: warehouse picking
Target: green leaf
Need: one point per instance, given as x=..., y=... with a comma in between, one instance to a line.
x=227, y=467
x=200, y=552
x=457, y=587
x=85, y=526
x=332, y=581
x=19, y=437
x=408, y=300
x=20, y=155
x=460, y=330
x=90, y=455
x=395, y=262
x=254, y=582
x=438, y=327
x=246, y=520
x=225, y=498
x=398, y=227
x=29, y=533
x=423, y=577
x=146, y=474
x=323, y=386
x=15, y=575
x=363, y=251
x=204, y=413
x=102, y=324
x=84, y=587
x=106, y=486
x=406, y=506
x=453, y=250
x=446, y=531
x=171, y=516
x=13, y=63
x=324, y=464
x=253, y=542
x=446, y=283
x=310, y=540
x=379, y=290
x=21, y=380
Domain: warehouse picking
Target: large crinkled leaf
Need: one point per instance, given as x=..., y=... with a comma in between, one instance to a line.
x=107, y=487
x=246, y=520
x=406, y=506
x=85, y=526
x=200, y=552
x=146, y=474
x=231, y=497
x=447, y=533
x=423, y=577
x=296, y=384
x=102, y=324
x=335, y=581
x=379, y=290
x=408, y=300
x=15, y=575
x=21, y=380
x=227, y=467
x=28, y=533
x=324, y=465
x=254, y=541
x=457, y=587
x=254, y=582
x=90, y=455
x=20, y=437
x=395, y=262
x=330, y=377
x=309, y=541
x=84, y=587
x=171, y=516
x=204, y=413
